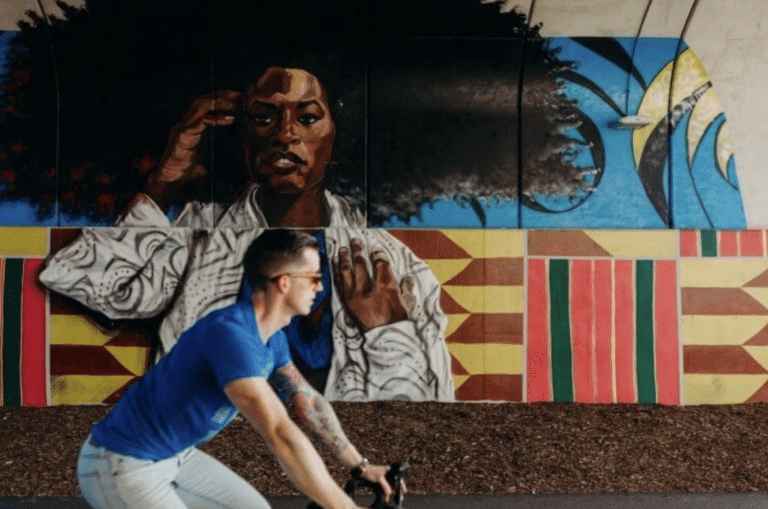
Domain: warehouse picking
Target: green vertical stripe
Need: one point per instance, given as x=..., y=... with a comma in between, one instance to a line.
x=646, y=384
x=708, y=242
x=560, y=327
x=12, y=332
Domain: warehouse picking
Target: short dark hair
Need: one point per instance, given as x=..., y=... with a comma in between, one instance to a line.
x=272, y=249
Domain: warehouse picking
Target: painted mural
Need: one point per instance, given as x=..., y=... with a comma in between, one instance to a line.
x=497, y=128
x=481, y=273
x=602, y=317
x=471, y=176
x=679, y=170
x=382, y=336
x=724, y=319
x=590, y=316
x=375, y=336
x=576, y=167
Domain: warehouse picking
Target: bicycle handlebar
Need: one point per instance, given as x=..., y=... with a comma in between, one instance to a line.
x=396, y=473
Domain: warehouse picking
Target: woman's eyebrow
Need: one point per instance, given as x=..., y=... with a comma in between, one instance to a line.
x=305, y=104
x=257, y=102
x=271, y=106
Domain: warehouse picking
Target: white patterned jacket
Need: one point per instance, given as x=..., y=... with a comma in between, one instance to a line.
x=146, y=265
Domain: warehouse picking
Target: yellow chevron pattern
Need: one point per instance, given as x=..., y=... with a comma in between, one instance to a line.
x=489, y=243
x=480, y=297
x=488, y=358
x=78, y=330
x=724, y=340
x=720, y=330
x=487, y=299
x=603, y=243
x=84, y=387
x=717, y=389
x=719, y=272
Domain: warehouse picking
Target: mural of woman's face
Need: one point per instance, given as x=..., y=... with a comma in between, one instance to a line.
x=290, y=130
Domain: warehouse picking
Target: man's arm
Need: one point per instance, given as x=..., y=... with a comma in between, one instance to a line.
x=315, y=411
x=256, y=400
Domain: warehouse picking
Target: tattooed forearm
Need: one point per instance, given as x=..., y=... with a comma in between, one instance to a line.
x=311, y=408
x=322, y=422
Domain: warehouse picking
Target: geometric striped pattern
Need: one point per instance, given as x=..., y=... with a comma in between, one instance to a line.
x=596, y=333
x=602, y=331
x=712, y=243
x=23, y=329
x=91, y=362
x=481, y=274
x=725, y=330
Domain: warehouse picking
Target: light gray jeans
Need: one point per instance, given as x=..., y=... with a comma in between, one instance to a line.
x=191, y=479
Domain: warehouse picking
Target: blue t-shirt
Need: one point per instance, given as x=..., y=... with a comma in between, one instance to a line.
x=180, y=402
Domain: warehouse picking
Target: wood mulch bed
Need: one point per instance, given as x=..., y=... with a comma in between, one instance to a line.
x=457, y=448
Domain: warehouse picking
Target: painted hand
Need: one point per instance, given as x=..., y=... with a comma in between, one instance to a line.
x=372, y=300
x=179, y=163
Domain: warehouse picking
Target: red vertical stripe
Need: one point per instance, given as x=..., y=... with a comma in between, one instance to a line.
x=604, y=330
x=2, y=278
x=752, y=243
x=34, y=380
x=625, y=332
x=689, y=243
x=581, y=330
x=539, y=385
x=729, y=244
x=667, y=342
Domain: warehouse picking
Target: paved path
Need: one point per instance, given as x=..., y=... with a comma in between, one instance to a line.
x=649, y=501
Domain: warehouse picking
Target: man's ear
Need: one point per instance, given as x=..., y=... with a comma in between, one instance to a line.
x=283, y=283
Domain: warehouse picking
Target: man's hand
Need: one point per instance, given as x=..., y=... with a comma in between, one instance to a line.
x=179, y=163
x=372, y=301
x=377, y=474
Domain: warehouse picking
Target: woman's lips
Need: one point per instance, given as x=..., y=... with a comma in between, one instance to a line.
x=284, y=162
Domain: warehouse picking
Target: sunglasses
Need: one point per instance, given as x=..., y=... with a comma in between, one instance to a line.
x=313, y=277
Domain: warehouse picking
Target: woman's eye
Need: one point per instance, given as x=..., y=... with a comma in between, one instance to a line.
x=308, y=119
x=260, y=120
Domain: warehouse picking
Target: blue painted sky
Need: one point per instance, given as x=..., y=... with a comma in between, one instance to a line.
x=619, y=201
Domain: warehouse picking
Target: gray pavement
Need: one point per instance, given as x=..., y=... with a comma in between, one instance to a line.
x=612, y=501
